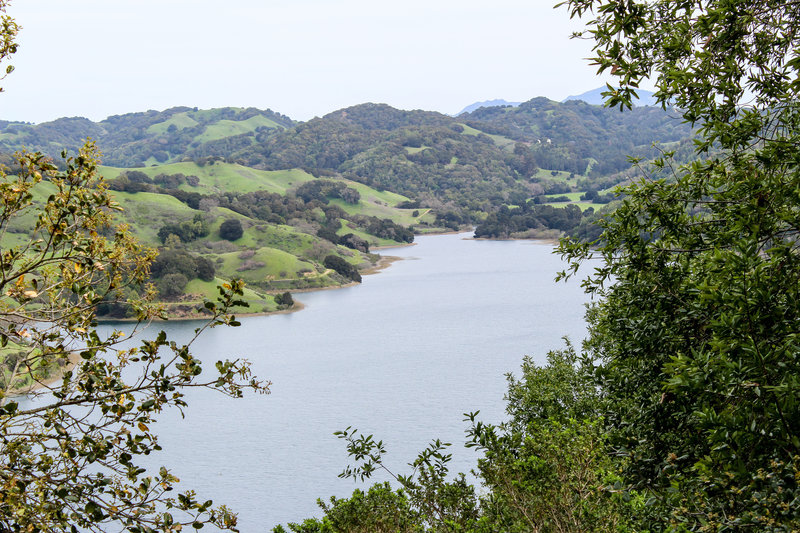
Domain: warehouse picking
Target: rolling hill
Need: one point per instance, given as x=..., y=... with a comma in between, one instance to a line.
x=340, y=185
x=151, y=137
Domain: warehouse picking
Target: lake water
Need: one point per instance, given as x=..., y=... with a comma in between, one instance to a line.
x=401, y=356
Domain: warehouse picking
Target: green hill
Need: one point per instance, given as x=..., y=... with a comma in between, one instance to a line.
x=467, y=167
x=366, y=176
x=151, y=137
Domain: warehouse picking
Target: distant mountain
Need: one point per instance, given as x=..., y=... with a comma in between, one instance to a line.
x=581, y=138
x=487, y=103
x=594, y=97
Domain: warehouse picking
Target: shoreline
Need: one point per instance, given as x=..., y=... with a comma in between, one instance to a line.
x=38, y=384
x=546, y=240
x=384, y=262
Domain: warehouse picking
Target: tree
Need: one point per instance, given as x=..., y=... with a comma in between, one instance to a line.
x=546, y=469
x=69, y=456
x=231, y=229
x=179, y=261
x=8, y=34
x=696, y=331
x=171, y=286
x=342, y=267
x=284, y=300
x=205, y=269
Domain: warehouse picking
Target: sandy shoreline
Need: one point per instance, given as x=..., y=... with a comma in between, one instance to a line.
x=72, y=360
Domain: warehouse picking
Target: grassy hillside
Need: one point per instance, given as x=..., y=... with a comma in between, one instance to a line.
x=270, y=257
x=219, y=177
x=152, y=137
x=195, y=254
x=343, y=173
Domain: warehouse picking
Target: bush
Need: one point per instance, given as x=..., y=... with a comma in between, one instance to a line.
x=355, y=242
x=204, y=268
x=250, y=265
x=231, y=229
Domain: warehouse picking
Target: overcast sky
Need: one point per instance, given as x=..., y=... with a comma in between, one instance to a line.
x=302, y=58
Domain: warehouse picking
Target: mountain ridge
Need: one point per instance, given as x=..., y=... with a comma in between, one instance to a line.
x=498, y=102
x=595, y=97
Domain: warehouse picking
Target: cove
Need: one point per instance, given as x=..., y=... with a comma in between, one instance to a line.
x=401, y=356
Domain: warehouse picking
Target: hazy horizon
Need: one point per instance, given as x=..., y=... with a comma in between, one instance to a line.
x=303, y=58
x=262, y=108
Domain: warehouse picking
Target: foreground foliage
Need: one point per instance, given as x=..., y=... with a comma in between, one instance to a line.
x=697, y=329
x=69, y=449
x=546, y=469
x=689, y=385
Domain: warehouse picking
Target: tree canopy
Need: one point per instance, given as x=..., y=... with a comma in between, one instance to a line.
x=8, y=35
x=696, y=330
x=231, y=229
x=69, y=453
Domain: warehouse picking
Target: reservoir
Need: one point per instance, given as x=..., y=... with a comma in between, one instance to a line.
x=401, y=356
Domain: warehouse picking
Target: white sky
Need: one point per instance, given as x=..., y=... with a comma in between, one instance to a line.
x=302, y=58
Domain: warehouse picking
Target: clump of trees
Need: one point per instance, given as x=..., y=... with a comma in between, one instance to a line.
x=354, y=242
x=173, y=181
x=137, y=181
x=284, y=300
x=342, y=267
x=506, y=222
x=323, y=190
x=186, y=231
x=386, y=229
x=173, y=268
x=597, y=198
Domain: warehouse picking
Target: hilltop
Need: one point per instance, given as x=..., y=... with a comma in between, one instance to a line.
x=595, y=97
x=150, y=137
x=497, y=102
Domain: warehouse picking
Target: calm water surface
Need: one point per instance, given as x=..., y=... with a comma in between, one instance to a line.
x=400, y=356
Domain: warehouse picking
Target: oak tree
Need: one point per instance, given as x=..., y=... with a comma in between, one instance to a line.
x=696, y=332
x=69, y=447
